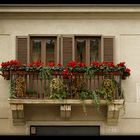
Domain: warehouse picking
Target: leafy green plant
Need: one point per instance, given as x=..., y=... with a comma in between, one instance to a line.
x=61, y=94
x=45, y=73
x=31, y=92
x=89, y=94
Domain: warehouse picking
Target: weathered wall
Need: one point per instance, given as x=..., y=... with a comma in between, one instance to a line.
x=127, y=48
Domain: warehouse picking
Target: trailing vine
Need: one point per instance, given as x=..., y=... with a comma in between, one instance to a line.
x=45, y=73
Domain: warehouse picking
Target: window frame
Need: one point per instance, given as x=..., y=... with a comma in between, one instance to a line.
x=43, y=47
x=59, y=58
x=87, y=47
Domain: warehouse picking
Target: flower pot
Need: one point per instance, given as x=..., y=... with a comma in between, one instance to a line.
x=56, y=72
x=23, y=72
x=6, y=75
x=107, y=73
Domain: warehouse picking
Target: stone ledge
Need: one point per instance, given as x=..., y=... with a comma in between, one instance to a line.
x=17, y=107
x=59, y=101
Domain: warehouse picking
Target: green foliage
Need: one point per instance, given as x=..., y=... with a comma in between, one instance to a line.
x=45, y=73
x=61, y=94
x=57, y=89
x=33, y=68
x=77, y=69
x=56, y=68
x=30, y=91
x=107, y=90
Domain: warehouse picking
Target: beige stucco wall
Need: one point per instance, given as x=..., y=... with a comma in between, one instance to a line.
x=124, y=27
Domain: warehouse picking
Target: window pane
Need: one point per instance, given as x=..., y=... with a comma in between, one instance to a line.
x=50, y=47
x=36, y=50
x=94, y=50
x=80, y=50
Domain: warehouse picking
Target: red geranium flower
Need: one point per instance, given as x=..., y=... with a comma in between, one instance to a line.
x=121, y=64
x=65, y=71
x=10, y=63
x=35, y=63
x=81, y=64
x=72, y=63
x=51, y=63
x=59, y=64
x=127, y=70
x=96, y=63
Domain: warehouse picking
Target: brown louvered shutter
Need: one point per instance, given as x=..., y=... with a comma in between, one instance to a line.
x=58, y=50
x=108, y=46
x=67, y=49
x=21, y=53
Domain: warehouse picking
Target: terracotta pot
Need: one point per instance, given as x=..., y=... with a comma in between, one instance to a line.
x=6, y=74
x=23, y=72
x=108, y=73
x=56, y=72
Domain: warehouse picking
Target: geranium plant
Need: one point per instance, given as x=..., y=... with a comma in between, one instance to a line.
x=126, y=71
x=72, y=67
x=7, y=66
x=10, y=65
x=51, y=66
x=34, y=66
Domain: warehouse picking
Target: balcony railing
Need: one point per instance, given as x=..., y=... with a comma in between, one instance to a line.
x=31, y=85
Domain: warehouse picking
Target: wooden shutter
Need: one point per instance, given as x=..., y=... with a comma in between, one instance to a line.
x=67, y=49
x=58, y=50
x=108, y=46
x=21, y=52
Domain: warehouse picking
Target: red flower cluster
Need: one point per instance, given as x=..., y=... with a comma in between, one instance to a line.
x=126, y=73
x=121, y=64
x=59, y=64
x=81, y=64
x=35, y=63
x=51, y=63
x=110, y=64
x=68, y=74
x=127, y=70
x=10, y=63
x=72, y=68
x=65, y=71
x=97, y=64
x=72, y=63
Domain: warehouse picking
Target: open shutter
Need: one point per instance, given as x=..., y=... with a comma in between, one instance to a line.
x=21, y=53
x=67, y=49
x=58, y=50
x=108, y=46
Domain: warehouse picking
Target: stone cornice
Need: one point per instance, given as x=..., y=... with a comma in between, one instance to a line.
x=69, y=5
x=75, y=12
x=70, y=9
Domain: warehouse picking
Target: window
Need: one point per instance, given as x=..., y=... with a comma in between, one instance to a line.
x=43, y=49
x=88, y=49
x=62, y=48
x=80, y=50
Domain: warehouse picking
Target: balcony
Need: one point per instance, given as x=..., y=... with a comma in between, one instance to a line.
x=29, y=88
x=65, y=87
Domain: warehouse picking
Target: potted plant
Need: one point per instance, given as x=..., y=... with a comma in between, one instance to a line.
x=7, y=66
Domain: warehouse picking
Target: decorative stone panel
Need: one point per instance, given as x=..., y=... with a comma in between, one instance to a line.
x=18, y=114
